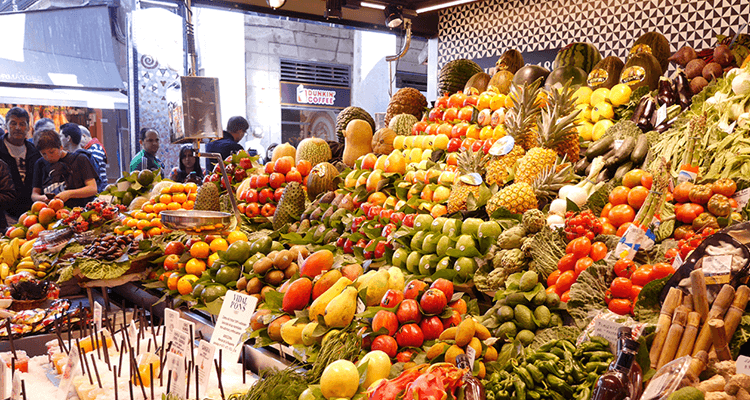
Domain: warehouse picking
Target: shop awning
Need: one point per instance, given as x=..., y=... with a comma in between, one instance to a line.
x=108, y=100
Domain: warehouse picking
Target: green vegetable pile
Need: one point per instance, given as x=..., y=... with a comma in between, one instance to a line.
x=557, y=370
x=521, y=309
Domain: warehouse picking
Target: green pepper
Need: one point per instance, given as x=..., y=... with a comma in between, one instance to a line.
x=589, y=346
x=556, y=396
x=548, y=346
x=568, y=346
x=560, y=385
x=578, y=374
x=536, y=374
x=490, y=396
x=502, y=395
x=533, y=395
x=600, y=340
x=549, y=367
x=568, y=363
x=542, y=356
x=520, y=388
x=525, y=377
x=597, y=355
x=559, y=352
x=583, y=394
x=460, y=393
x=597, y=366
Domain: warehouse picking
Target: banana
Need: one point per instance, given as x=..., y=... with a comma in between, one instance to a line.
x=26, y=265
x=32, y=271
x=7, y=255
x=27, y=258
x=26, y=248
x=4, y=271
x=41, y=274
x=15, y=247
x=43, y=266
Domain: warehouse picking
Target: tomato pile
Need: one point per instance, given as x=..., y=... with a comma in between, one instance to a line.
x=624, y=290
x=625, y=201
x=579, y=255
x=701, y=206
x=582, y=224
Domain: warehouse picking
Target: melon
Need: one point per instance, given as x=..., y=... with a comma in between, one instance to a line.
x=530, y=74
x=479, y=82
x=502, y=81
x=579, y=54
x=358, y=141
x=642, y=69
x=315, y=150
x=348, y=114
x=453, y=76
x=560, y=76
x=403, y=124
x=653, y=43
x=284, y=149
x=323, y=178
x=606, y=73
x=511, y=60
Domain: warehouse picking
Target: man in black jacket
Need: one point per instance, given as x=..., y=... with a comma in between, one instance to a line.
x=7, y=193
x=228, y=145
x=20, y=155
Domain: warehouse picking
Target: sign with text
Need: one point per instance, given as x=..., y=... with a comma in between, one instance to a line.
x=233, y=321
x=314, y=96
x=173, y=322
x=205, y=361
x=176, y=370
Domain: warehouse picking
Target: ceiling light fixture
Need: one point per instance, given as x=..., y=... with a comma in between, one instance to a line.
x=276, y=3
x=372, y=5
x=333, y=9
x=443, y=5
x=393, y=16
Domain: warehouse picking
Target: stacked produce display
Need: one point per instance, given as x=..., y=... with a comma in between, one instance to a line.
x=552, y=234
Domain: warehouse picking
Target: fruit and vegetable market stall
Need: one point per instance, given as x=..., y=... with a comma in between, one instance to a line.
x=574, y=233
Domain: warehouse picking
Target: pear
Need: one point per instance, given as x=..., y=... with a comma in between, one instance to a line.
x=396, y=279
x=340, y=311
x=307, y=334
x=320, y=304
x=376, y=287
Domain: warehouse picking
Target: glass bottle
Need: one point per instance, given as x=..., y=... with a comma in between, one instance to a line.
x=636, y=373
x=473, y=389
x=615, y=384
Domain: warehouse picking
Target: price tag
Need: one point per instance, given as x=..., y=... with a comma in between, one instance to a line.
x=687, y=175
x=718, y=269
x=15, y=393
x=471, y=353
x=661, y=115
x=98, y=316
x=4, y=373
x=176, y=367
x=133, y=333
x=172, y=322
x=233, y=321
x=205, y=361
x=69, y=370
x=180, y=343
x=730, y=128
x=742, y=197
x=618, y=143
x=360, y=306
x=677, y=263
x=633, y=239
x=743, y=365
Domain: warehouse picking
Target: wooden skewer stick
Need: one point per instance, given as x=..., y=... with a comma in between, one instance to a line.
x=96, y=371
x=718, y=309
x=84, y=363
x=689, y=335
x=674, y=299
x=673, y=337
x=114, y=379
x=10, y=337
x=700, y=297
x=720, y=339
x=218, y=374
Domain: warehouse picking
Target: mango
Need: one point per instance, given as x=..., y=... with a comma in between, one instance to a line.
x=324, y=282
x=352, y=271
x=448, y=334
x=490, y=354
x=274, y=328
x=465, y=332
x=476, y=345
x=482, y=332
x=482, y=371
x=437, y=349
x=318, y=306
x=396, y=279
x=453, y=352
x=316, y=263
x=340, y=311
x=297, y=296
x=291, y=332
x=376, y=287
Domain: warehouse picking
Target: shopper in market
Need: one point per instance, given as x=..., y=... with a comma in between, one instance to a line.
x=146, y=158
x=21, y=155
x=44, y=124
x=59, y=174
x=95, y=147
x=189, y=167
x=7, y=193
x=229, y=144
x=71, y=140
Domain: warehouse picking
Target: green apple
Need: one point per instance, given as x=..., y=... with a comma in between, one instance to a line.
x=437, y=224
x=412, y=262
x=465, y=267
x=427, y=264
x=399, y=257
x=489, y=229
x=443, y=245
x=429, y=246
x=470, y=226
x=452, y=227
x=467, y=246
x=417, y=239
x=444, y=263
x=422, y=222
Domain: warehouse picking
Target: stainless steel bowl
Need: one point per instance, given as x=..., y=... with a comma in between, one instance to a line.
x=194, y=221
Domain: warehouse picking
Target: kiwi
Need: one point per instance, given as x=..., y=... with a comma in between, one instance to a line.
x=292, y=269
x=241, y=283
x=263, y=265
x=274, y=277
x=283, y=259
x=265, y=291
x=253, y=286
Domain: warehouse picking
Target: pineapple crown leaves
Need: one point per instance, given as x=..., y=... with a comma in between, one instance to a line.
x=552, y=179
x=475, y=203
x=558, y=120
x=525, y=110
x=472, y=161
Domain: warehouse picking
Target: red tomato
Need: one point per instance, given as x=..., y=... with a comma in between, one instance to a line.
x=634, y=292
x=623, y=228
x=598, y=251
x=404, y=356
x=661, y=270
x=565, y=281
x=582, y=264
x=410, y=335
x=688, y=212
x=642, y=275
x=608, y=229
x=607, y=296
x=565, y=297
x=621, y=287
x=624, y=268
x=552, y=278
x=567, y=263
x=579, y=247
x=620, y=306
x=621, y=214
x=551, y=289
x=606, y=210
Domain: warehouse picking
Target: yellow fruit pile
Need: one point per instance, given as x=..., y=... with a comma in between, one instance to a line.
x=147, y=221
x=467, y=336
x=15, y=256
x=598, y=109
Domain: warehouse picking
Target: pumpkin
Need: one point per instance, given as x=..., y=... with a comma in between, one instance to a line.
x=357, y=141
x=700, y=194
x=284, y=149
x=382, y=141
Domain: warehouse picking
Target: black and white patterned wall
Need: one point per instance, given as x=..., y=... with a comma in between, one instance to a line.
x=487, y=28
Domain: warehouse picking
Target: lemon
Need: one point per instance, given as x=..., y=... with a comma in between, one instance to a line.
x=585, y=114
x=598, y=96
x=599, y=128
x=426, y=154
x=398, y=142
x=378, y=366
x=602, y=110
x=339, y=379
x=441, y=142
x=409, y=142
x=415, y=155
x=418, y=141
x=620, y=94
x=583, y=95
x=585, y=130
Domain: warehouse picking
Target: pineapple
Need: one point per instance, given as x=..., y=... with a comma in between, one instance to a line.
x=468, y=162
x=521, y=119
x=498, y=167
x=521, y=196
x=557, y=136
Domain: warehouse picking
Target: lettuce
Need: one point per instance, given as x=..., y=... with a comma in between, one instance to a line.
x=647, y=306
x=587, y=294
x=95, y=269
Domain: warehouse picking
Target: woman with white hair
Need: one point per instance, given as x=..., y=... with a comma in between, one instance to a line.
x=94, y=146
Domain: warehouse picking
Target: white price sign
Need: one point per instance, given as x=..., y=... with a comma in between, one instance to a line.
x=233, y=321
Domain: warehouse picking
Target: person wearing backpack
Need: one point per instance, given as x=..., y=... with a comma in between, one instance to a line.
x=62, y=175
x=71, y=140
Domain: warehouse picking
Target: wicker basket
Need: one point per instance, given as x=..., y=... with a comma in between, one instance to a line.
x=21, y=305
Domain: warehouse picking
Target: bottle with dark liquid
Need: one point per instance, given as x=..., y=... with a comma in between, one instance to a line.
x=473, y=389
x=616, y=384
x=636, y=373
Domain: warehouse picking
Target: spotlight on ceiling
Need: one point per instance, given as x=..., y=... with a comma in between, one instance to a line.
x=333, y=9
x=393, y=15
x=276, y=3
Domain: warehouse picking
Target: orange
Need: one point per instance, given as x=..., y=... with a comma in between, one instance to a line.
x=149, y=208
x=213, y=257
x=172, y=281
x=166, y=189
x=140, y=215
x=118, y=230
x=126, y=220
x=509, y=100
x=179, y=197
x=177, y=188
x=132, y=223
x=377, y=198
x=235, y=236
x=497, y=101
x=185, y=284
x=191, y=196
x=195, y=266
x=171, y=262
x=143, y=224
x=150, y=216
x=154, y=232
x=199, y=249
x=165, y=199
x=156, y=222
x=128, y=232
x=191, y=187
x=219, y=244
x=159, y=207
x=188, y=205
x=137, y=232
x=174, y=206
